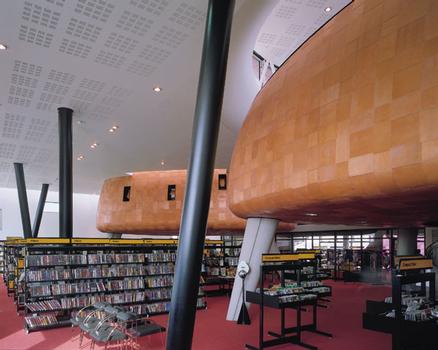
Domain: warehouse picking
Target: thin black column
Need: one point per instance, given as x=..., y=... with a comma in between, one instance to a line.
x=40, y=210
x=65, y=173
x=22, y=199
x=199, y=181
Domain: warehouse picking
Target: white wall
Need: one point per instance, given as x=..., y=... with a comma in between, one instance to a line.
x=84, y=214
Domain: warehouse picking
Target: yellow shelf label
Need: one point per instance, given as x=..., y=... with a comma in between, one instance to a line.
x=415, y=264
x=161, y=241
x=126, y=241
x=90, y=241
x=287, y=257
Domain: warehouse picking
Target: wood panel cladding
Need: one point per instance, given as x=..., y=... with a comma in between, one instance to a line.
x=153, y=209
x=348, y=127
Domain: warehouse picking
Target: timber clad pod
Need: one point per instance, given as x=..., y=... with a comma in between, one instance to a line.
x=150, y=211
x=347, y=128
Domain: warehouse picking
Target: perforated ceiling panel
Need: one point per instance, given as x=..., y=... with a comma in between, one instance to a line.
x=102, y=58
x=291, y=23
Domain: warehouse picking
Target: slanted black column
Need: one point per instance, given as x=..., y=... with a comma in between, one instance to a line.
x=40, y=210
x=65, y=173
x=199, y=181
x=22, y=198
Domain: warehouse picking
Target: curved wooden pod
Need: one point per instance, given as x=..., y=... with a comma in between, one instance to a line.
x=149, y=210
x=347, y=130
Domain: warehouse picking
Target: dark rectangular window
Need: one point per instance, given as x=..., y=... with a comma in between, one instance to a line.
x=222, y=184
x=171, y=192
x=126, y=193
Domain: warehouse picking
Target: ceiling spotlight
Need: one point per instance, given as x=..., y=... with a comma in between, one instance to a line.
x=311, y=214
x=80, y=122
x=162, y=163
x=113, y=128
x=157, y=88
x=94, y=145
x=327, y=9
x=81, y=157
x=3, y=47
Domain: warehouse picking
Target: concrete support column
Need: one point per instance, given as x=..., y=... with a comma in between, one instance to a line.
x=407, y=241
x=257, y=240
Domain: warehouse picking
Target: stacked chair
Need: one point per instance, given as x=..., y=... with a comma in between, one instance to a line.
x=113, y=326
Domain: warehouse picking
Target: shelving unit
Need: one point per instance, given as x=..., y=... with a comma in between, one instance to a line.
x=303, y=293
x=219, y=264
x=62, y=278
x=394, y=316
x=2, y=257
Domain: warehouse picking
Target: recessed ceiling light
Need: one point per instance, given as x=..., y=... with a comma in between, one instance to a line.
x=327, y=9
x=157, y=88
x=129, y=173
x=311, y=214
x=80, y=122
x=81, y=157
x=3, y=47
x=113, y=128
x=162, y=163
x=94, y=145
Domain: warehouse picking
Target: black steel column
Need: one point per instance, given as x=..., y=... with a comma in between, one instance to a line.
x=40, y=210
x=65, y=173
x=22, y=199
x=200, y=174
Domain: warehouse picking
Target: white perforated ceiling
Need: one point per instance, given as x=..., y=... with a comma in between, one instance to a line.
x=102, y=58
x=291, y=23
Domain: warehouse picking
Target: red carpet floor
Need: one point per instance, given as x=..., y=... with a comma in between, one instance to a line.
x=343, y=318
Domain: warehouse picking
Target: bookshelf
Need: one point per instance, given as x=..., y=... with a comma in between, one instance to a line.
x=62, y=279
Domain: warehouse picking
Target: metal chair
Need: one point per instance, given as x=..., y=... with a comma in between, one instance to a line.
x=107, y=332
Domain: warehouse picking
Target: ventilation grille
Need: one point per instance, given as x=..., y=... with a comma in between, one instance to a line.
x=110, y=59
x=154, y=7
x=74, y=48
x=37, y=130
x=120, y=43
x=35, y=36
x=154, y=54
x=188, y=16
x=12, y=126
x=169, y=37
x=134, y=23
x=144, y=69
x=83, y=30
x=97, y=10
x=7, y=150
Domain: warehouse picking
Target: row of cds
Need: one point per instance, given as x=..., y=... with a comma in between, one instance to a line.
x=83, y=259
x=115, y=258
x=154, y=294
x=159, y=256
x=84, y=273
x=290, y=298
x=163, y=281
x=155, y=269
x=44, y=305
x=61, y=259
x=81, y=301
x=40, y=321
x=77, y=288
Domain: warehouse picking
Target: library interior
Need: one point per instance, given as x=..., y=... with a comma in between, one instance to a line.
x=218, y=174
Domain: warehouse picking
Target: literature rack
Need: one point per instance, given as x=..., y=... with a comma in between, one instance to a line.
x=309, y=269
x=287, y=296
x=214, y=269
x=410, y=316
x=2, y=257
x=13, y=268
x=136, y=274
